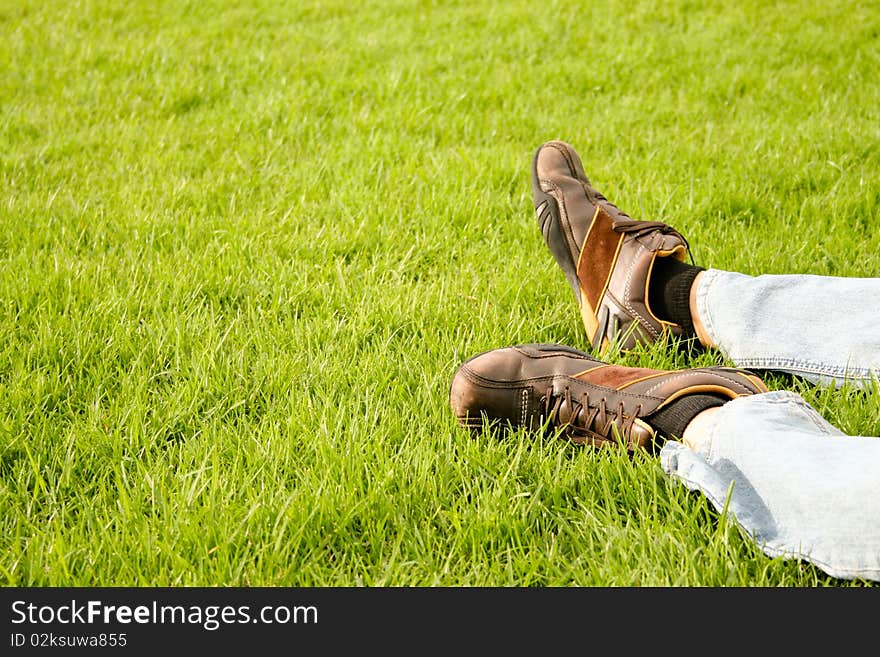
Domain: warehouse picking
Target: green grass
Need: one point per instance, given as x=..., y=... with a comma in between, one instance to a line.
x=244, y=247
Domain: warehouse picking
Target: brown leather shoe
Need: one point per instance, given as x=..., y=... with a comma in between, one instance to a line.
x=552, y=387
x=605, y=254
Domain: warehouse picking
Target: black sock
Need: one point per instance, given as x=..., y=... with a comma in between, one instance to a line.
x=670, y=421
x=669, y=292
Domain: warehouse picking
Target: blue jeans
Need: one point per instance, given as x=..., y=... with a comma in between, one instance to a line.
x=796, y=484
x=825, y=329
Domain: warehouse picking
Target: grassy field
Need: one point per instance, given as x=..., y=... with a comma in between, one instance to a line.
x=245, y=245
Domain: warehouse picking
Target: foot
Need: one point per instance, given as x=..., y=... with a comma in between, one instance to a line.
x=554, y=388
x=606, y=256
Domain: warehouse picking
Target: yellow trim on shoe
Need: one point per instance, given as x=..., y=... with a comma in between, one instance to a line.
x=701, y=388
x=680, y=254
x=644, y=378
x=754, y=378
x=591, y=369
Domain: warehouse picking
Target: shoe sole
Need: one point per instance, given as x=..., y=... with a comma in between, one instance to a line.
x=548, y=215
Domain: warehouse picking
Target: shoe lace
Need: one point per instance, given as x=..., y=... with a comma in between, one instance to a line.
x=578, y=417
x=639, y=228
x=621, y=222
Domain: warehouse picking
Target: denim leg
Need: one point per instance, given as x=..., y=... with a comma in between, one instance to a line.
x=822, y=328
x=796, y=484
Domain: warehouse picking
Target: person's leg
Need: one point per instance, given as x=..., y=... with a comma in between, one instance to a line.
x=796, y=484
x=821, y=328
x=633, y=286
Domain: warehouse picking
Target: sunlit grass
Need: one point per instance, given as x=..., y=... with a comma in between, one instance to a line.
x=245, y=246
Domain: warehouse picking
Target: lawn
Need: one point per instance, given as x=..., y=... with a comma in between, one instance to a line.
x=244, y=247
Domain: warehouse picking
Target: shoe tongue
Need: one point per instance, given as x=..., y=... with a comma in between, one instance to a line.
x=616, y=376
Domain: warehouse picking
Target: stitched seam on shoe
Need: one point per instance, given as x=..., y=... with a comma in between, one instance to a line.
x=567, y=156
x=489, y=383
x=629, y=275
x=564, y=223
x=473, y=376
x=555, y=354
x=684, y=375
x=524, y=401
